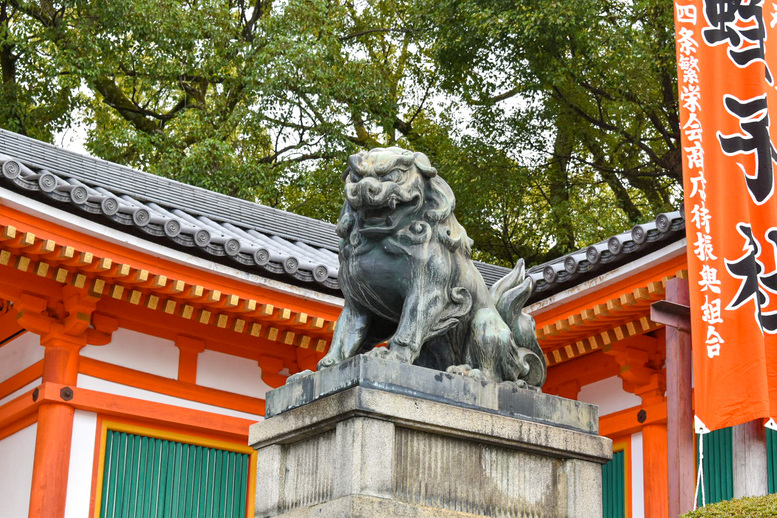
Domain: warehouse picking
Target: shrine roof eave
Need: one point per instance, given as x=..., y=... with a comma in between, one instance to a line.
x=91, y=228
x=624, y=252
x=585, y=290
x=237, y=235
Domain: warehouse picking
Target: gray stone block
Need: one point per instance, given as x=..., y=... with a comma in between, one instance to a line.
x=418, y=382
x=375, y=438
x=359, y=506
x=435, y=417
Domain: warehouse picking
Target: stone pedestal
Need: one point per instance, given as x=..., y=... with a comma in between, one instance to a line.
x=374, y=438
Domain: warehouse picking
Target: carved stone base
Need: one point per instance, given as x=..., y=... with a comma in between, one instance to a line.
x=374, y=438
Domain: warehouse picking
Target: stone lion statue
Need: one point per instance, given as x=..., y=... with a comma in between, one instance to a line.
x=407, y=277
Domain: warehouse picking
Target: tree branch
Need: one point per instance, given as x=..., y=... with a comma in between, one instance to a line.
x=493, y=100
x=602, y=124
x=114, y=97
x=309, y=156
x=372, y=31
x=248, y=28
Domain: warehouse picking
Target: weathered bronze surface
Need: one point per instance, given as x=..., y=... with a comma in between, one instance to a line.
x=407, y=277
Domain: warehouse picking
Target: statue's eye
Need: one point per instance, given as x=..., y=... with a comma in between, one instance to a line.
x=393, y=176
x=355, y=177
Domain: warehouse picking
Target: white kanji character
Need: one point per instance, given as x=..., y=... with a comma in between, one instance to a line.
x=692, y=128
x=710, y=311
x=690, y=77
x=774, y=16
x=689, y=63
x=701, y=218
x=686, y=42
x=686, y=13
x=709, y=279
x=695, y=155
x=713, y=342
x=690, y=97
x=703, y=246
x=699, y=183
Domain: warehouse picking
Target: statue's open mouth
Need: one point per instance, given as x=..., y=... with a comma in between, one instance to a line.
x=377, y=217
x=383, y=220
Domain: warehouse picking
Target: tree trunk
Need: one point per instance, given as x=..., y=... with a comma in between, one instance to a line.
x=558, y=177
x=8, y=70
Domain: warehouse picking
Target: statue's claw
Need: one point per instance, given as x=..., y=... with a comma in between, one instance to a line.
x=386, y=354
x=468, y=371
x=521, y=384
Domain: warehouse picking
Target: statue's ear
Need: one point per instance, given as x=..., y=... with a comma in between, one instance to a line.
x=439, y=199
x=345, y=222
x=424, y=166
x=355, y=162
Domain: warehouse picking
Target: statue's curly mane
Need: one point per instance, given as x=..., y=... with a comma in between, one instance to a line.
x=439, y=203
x=434, y=218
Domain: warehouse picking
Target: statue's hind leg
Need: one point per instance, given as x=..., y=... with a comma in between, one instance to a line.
x=489, y=347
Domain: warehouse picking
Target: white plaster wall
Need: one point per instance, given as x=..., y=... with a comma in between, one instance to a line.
x=230, y=373
x=137, y=351
x=637, y=477
x=609, y=395
x=79, y=479
x=89, y=382
x=19, y=353
x=14, y=395
x=17, y=453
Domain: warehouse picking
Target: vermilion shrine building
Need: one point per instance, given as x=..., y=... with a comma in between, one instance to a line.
x=142, y=321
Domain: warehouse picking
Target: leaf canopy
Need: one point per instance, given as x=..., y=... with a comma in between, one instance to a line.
x=554, y=122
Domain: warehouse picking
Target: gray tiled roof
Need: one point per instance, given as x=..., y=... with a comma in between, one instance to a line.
x=587, y=263
x=229, y=230
x=250, y=236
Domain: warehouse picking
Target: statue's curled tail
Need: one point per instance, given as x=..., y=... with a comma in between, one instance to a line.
x=509, y=295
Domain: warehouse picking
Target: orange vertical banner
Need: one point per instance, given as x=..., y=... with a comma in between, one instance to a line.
x=726, y=66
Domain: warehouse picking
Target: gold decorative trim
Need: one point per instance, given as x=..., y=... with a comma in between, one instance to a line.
x=600, y=326
x=103, y=277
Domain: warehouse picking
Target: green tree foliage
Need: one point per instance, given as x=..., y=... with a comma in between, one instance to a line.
x=542, y=116
x=594, y=90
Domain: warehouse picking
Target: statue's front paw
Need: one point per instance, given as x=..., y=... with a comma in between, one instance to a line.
x=468, y=371
x=385, y=353
x=521, y=384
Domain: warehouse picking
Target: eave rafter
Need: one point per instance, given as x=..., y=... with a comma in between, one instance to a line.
x=599, y=327
x=105, y=278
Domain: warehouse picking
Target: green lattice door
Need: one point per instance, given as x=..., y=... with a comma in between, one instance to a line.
x=771, y=458
x=718, y=466
x=149, y=477
x=614, y=487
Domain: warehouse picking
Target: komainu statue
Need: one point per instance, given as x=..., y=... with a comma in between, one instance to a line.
x=407, y=277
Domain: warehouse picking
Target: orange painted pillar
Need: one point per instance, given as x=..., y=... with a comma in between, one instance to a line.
x=52, y=460
x=48, y=494
x=641, y=360
x=60, y=361
x=188, y=350
x=656, y=470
